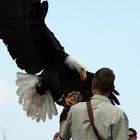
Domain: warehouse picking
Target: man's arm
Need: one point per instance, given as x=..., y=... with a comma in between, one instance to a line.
x=66, y=127
x=120, y=128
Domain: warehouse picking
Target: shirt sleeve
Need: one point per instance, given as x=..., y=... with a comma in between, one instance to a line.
x=120, y=128
x=66, y=129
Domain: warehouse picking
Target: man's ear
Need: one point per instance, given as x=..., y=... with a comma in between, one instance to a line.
x=93, y=84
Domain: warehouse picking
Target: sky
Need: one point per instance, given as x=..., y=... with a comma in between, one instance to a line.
x=99, y=33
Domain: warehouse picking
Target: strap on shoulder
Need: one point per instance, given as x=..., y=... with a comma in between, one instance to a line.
x=90, y=113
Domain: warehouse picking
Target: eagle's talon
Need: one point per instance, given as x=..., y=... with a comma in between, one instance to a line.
x=71, y=98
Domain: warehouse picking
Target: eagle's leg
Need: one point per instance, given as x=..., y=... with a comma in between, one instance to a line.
x=71, y=98
x=49, y=80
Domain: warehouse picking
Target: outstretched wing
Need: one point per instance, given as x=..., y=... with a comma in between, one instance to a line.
x=29, y=41
x=35, y=49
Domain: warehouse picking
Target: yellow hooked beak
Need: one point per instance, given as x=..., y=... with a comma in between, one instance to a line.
x=83, y=75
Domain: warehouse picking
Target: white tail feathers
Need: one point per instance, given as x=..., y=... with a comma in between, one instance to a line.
x=36, y=106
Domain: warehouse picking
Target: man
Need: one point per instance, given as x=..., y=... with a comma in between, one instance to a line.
x=57, y=136
x=110, y=121
x=132, y=134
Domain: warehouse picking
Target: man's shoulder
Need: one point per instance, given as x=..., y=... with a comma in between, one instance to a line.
x=104, y=105
x=116, y=108
x=80, y=105
x=117, y=111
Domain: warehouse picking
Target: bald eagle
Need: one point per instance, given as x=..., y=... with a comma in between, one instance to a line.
x=51, y=75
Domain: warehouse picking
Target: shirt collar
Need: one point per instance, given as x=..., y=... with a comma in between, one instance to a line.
x=101, y=97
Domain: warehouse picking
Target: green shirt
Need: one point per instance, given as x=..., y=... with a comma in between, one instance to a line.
x=108, y=119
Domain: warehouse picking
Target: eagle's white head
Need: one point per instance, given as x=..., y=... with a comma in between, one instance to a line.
x=74, y=64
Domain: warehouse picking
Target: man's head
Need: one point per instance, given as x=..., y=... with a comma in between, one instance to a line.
x=103, y=81
x=132, y=134
x=57, y=136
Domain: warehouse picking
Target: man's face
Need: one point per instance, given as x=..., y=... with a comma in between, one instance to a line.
x=131, y=136
x=58, y=138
